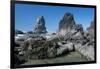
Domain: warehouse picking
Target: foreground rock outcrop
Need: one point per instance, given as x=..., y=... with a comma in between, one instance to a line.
x=40, y=48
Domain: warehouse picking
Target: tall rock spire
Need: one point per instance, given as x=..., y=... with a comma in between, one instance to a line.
x=67, y=21
x=68, y=27
x=40, y=26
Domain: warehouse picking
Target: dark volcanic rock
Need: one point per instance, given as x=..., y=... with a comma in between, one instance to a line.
x=40, y=26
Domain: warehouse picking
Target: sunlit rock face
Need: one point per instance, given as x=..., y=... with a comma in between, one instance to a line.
x=62, y=32
x=40, y=26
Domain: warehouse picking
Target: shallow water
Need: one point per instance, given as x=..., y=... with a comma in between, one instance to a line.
x=72, y=57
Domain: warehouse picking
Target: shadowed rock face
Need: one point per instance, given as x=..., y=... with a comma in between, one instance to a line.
x=40, y=26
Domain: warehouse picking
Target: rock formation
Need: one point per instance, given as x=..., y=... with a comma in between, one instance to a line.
x=74, y=33
x=90, y=30
x=66, y=23
x=29, y=32
x=40, y=48
x=70, y=37
x=69, y=29
x=18, y=32
x=40, y=26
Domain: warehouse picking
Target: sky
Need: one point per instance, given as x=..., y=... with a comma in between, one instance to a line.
x=26, y=16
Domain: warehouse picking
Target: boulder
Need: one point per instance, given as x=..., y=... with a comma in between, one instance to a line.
x=65, y=48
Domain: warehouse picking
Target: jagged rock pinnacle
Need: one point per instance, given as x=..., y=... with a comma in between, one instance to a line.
x=40, y=26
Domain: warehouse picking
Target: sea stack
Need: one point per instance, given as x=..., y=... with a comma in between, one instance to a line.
x=67, y=25
x=40, y=26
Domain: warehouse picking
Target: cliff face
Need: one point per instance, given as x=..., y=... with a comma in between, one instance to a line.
x=40, y=26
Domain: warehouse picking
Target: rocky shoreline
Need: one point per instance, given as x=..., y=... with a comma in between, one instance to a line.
x=71, y=37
